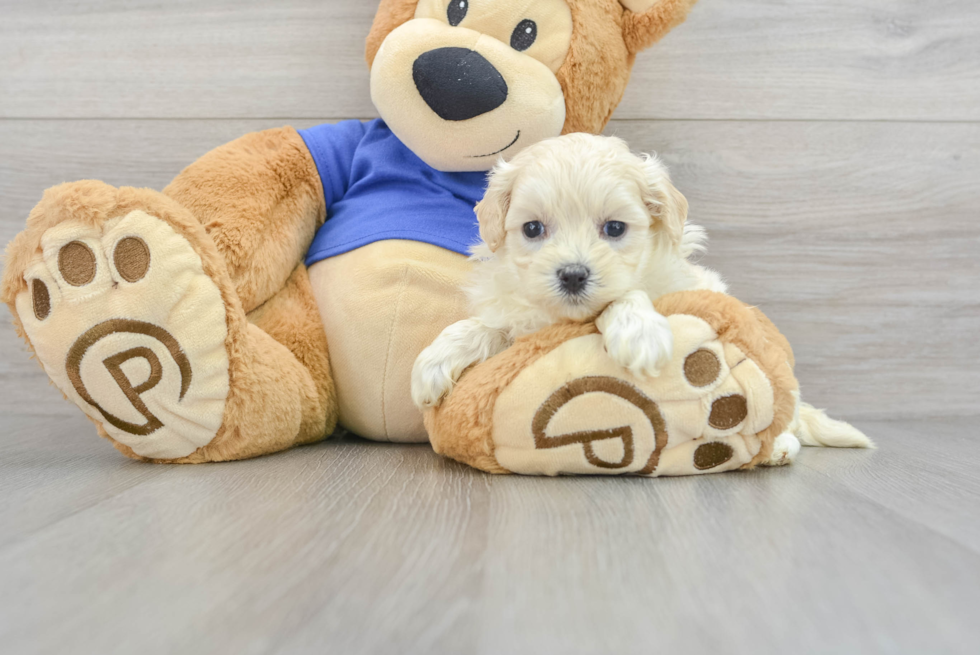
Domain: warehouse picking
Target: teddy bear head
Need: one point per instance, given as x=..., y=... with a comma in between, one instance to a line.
x=463, y=83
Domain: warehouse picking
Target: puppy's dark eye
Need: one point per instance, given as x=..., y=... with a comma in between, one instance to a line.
x=457, y=11
x=524, y=35
x=614, y=229
x=533, y=229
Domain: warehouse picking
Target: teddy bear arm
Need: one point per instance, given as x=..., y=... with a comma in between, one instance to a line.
x=260, y=199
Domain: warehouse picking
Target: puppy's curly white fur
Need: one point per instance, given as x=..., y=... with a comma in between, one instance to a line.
x=573, y=227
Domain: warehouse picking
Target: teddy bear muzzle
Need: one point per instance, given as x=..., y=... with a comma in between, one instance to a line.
x=459, y=98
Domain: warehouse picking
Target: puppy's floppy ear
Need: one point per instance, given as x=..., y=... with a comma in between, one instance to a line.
x=646, y=21
x=492, y=210
x=667, y=205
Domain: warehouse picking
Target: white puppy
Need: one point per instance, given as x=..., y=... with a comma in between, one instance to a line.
x=575, y=227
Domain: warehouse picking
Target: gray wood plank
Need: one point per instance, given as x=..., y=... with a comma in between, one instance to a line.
x=766, y=562
x=924, y=471
x=358, y=548
x=858, y=239
x=51, y=469
x=755, y=59
x=257, y=547
x=814, y=59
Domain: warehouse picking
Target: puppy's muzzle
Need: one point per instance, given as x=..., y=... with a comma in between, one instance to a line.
x=458, y=83
x=573, y=278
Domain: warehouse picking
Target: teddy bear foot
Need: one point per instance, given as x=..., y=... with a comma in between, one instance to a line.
x=125, y=321
x=556, y=403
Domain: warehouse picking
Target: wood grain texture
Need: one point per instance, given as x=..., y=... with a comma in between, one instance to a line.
x=932, y=482
x=754, y=59
x=858, y=239
x=54, y=468
x=367, y=548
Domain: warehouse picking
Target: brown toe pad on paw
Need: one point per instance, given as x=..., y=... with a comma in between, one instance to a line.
x=132, y=258
x=41, y=298
x=76, y=261
x=713, y=454
x=701, y=368
x=728, y=411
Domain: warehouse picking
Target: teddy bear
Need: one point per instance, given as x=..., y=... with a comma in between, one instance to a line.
x=286, y=281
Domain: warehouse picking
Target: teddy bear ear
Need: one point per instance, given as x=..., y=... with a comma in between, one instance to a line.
x=646, y=21
x=391, y=14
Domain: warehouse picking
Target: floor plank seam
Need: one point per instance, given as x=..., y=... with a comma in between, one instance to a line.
x=23, y=538
x=895, y=514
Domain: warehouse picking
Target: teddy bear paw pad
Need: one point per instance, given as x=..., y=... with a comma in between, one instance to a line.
x=588, y=415
x=125, y=321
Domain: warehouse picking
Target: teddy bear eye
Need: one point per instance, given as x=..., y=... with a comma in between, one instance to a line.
x=614, y=229
x=533, y=229
x=457, y=11
x=524, y=35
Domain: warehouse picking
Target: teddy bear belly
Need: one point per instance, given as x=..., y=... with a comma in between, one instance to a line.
x=381, y=304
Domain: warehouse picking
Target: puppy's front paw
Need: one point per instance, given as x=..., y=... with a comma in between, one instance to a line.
x=640, y=341
x=432, y=380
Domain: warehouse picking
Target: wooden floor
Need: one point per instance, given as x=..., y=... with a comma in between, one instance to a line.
x=353, y=547
x=833, y=152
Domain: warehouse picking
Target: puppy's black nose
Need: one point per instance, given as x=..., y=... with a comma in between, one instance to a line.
x=458, y=83
x=573, y=278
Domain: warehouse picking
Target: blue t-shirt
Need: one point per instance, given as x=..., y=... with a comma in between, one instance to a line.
x=375, y=188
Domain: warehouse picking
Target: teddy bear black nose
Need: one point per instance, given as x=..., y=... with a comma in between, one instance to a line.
x=458, y=83
x=573, y=278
